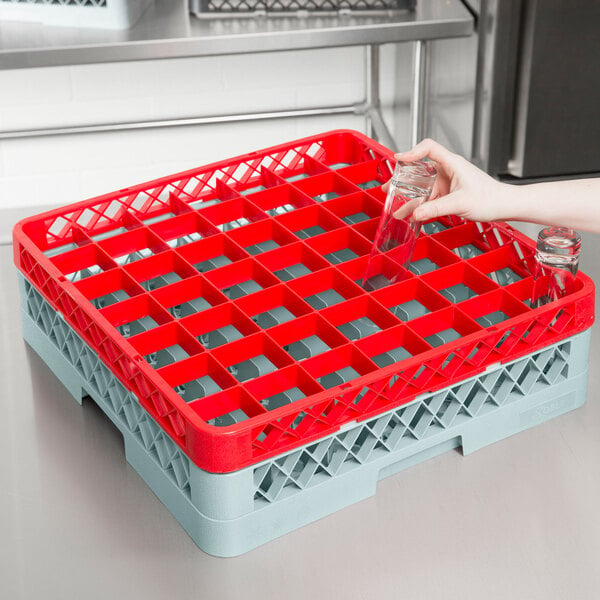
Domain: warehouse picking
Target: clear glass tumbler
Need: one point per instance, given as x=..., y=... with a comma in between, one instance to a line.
x=410, y=186
x=556, y=263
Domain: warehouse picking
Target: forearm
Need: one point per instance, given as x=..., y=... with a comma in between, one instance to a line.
x=574, y=203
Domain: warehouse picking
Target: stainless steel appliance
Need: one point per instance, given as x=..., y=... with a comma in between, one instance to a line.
x=538, y=88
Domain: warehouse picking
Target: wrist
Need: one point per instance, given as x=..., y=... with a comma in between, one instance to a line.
x=514, y=202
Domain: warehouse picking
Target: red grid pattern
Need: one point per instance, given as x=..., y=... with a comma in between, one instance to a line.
x=124, y=242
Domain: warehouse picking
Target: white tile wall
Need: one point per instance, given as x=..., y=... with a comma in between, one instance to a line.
x=38, y=172
x=174, y=88
x=35, y=86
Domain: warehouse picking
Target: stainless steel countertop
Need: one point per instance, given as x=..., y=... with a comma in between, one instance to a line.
x=167, y=31
x=518, y=519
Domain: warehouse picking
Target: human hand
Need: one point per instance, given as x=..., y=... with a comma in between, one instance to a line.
x=460, y=187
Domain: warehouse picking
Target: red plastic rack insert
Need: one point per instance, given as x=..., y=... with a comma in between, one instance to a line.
x=228, y=297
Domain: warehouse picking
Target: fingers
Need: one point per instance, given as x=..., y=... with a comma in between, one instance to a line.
x=446, y=205
x=405, y=210
x=421, y=150
x=448, y=164
x=431, y=149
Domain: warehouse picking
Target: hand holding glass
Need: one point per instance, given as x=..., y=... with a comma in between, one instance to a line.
x=410, y=186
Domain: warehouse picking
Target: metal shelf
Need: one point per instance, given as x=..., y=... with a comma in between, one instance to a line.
x=166, y=30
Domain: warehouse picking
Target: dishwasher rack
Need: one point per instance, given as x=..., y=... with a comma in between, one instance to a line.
x=217, y=317
x=229, y=514
x=253, y=239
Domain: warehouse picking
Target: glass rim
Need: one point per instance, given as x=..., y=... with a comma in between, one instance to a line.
x=419, y=171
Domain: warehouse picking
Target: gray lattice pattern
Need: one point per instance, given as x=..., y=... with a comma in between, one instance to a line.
x=96, y=3
x=420, y=419
x=308, y=466
x=110, y=392
x=233, y=6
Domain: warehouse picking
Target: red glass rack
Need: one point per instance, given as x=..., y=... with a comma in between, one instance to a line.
x=228, y=297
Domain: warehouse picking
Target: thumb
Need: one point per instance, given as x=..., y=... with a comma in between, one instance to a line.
x=446, y=205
